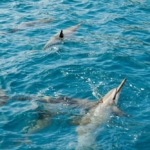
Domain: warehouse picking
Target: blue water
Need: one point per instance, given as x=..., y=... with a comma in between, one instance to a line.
x=112, y=43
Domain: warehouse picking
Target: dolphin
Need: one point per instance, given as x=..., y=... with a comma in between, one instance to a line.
x=22, y=25
x=98, y=114
x=35, y=22
x=63, y=34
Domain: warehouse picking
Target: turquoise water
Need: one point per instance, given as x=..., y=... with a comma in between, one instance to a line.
x=112, y=43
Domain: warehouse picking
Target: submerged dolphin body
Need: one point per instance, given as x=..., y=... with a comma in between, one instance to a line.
x=56, y=107
x=57, y=38
x=46, y=112
x=29, y=24
x=3, y=98
x=96, y=116
x=23, y=25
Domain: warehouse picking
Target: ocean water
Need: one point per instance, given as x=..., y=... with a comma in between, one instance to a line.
x=112, y=43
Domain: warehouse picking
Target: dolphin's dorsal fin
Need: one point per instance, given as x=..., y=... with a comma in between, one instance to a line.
x=61, y=35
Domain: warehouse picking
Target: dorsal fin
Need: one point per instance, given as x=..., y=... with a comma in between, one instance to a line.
x=61, y=35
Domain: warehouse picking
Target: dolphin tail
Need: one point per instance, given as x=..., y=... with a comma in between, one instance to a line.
x=78, y=25
x=73, y=28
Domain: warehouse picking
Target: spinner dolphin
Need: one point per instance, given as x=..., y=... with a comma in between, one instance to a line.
x=63, y=34
x=98, y=114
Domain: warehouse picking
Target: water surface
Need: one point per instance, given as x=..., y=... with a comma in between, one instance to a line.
x=112, y=43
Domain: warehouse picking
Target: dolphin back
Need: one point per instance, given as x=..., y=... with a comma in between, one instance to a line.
x=56, y=38
x=73, y=28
